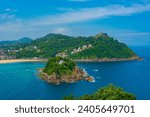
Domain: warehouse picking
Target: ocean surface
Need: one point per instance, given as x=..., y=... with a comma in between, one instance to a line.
x=19, y=81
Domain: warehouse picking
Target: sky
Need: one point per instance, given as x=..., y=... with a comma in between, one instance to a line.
x=125, y=20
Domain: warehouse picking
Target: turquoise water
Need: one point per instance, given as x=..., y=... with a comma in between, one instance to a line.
x=20, y=80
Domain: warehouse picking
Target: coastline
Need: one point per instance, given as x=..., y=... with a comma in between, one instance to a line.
x=109, y=60
x=77, y=75
x=22, y=60
x=79, y=60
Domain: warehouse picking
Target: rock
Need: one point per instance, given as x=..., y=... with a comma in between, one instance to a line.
x=89, y=78
x=60, y=70
x=77, y=75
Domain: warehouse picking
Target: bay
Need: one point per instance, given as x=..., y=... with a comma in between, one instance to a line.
x=19, y=81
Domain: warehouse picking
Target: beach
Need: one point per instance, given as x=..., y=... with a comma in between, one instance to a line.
x=22, y=60
x=79, y=60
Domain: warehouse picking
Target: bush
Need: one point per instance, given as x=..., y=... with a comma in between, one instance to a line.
x=60, y=66
x=109, y=92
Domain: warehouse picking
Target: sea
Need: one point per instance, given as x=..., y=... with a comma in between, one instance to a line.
x=20, y=81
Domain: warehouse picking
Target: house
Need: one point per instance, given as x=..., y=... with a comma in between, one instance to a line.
x=61, y=62
x=63, y=55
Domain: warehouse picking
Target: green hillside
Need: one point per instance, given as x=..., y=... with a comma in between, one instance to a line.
x=109, y=92
x=63, y=70
x=93, y=47
x=59, y=66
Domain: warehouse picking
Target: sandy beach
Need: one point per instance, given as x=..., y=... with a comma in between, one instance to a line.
x=79, y=60
x=22, y=60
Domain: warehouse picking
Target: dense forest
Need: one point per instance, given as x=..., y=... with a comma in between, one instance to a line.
x=63, y=70
x=59, y=66
x=109, y=92
x=92, y=47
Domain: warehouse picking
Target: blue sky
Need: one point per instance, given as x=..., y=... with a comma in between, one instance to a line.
x=126, y=20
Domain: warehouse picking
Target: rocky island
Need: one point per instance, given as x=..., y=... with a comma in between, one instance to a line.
x=58, y=70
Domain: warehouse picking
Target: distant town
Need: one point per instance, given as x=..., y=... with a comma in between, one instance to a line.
x=4, y=55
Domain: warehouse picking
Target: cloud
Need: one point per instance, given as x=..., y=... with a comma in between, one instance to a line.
x=84, y=14
x=11, y=23
x=9, y=10
x=6, y=17
x=60, y=30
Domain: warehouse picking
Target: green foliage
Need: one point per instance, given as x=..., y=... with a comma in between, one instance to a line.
x=60, y=66
x=103, y=46
x=109, y=92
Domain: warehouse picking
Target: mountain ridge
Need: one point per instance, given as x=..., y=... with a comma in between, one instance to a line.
x=19, y=41
x=100, y=46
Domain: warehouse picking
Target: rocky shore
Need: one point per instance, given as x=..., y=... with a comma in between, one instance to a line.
x=77, y=75
x=109, y=59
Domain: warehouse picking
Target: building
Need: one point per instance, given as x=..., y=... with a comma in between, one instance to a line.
x=63, y=55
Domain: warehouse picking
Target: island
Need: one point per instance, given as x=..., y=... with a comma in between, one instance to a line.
x=58, y=70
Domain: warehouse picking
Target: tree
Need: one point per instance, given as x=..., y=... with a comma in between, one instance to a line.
x=109, y=92
x=60, y=66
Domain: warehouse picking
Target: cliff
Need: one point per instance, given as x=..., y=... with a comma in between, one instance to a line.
x=60, y=70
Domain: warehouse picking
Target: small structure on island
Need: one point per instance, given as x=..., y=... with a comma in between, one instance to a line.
x=59, y=69
x=101, y=34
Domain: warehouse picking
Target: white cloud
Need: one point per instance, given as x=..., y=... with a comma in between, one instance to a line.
x=7, y=9
x=60, y=30
x=90, y=14
x=10, y=10
x=7, y=17
x=49, y=23
x=78, y=15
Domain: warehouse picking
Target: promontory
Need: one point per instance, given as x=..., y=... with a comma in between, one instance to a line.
x=100, y=47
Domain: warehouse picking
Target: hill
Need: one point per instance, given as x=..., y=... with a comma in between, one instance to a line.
x=100, y=46
x=109, y=92
x=23, y=40
x=60, y=69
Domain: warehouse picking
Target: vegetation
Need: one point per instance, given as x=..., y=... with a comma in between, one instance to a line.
x=109, y=92
x=59, y=69
x=7, y=44
x=60, y=66
x=101, y=46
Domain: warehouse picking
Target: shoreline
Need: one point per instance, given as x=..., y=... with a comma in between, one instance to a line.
x=109, y=60
x=79, y=60
x=22, y=60
x=78, y=74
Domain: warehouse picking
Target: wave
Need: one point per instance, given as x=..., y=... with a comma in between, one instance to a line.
x=98, y=77
x=96, y=70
